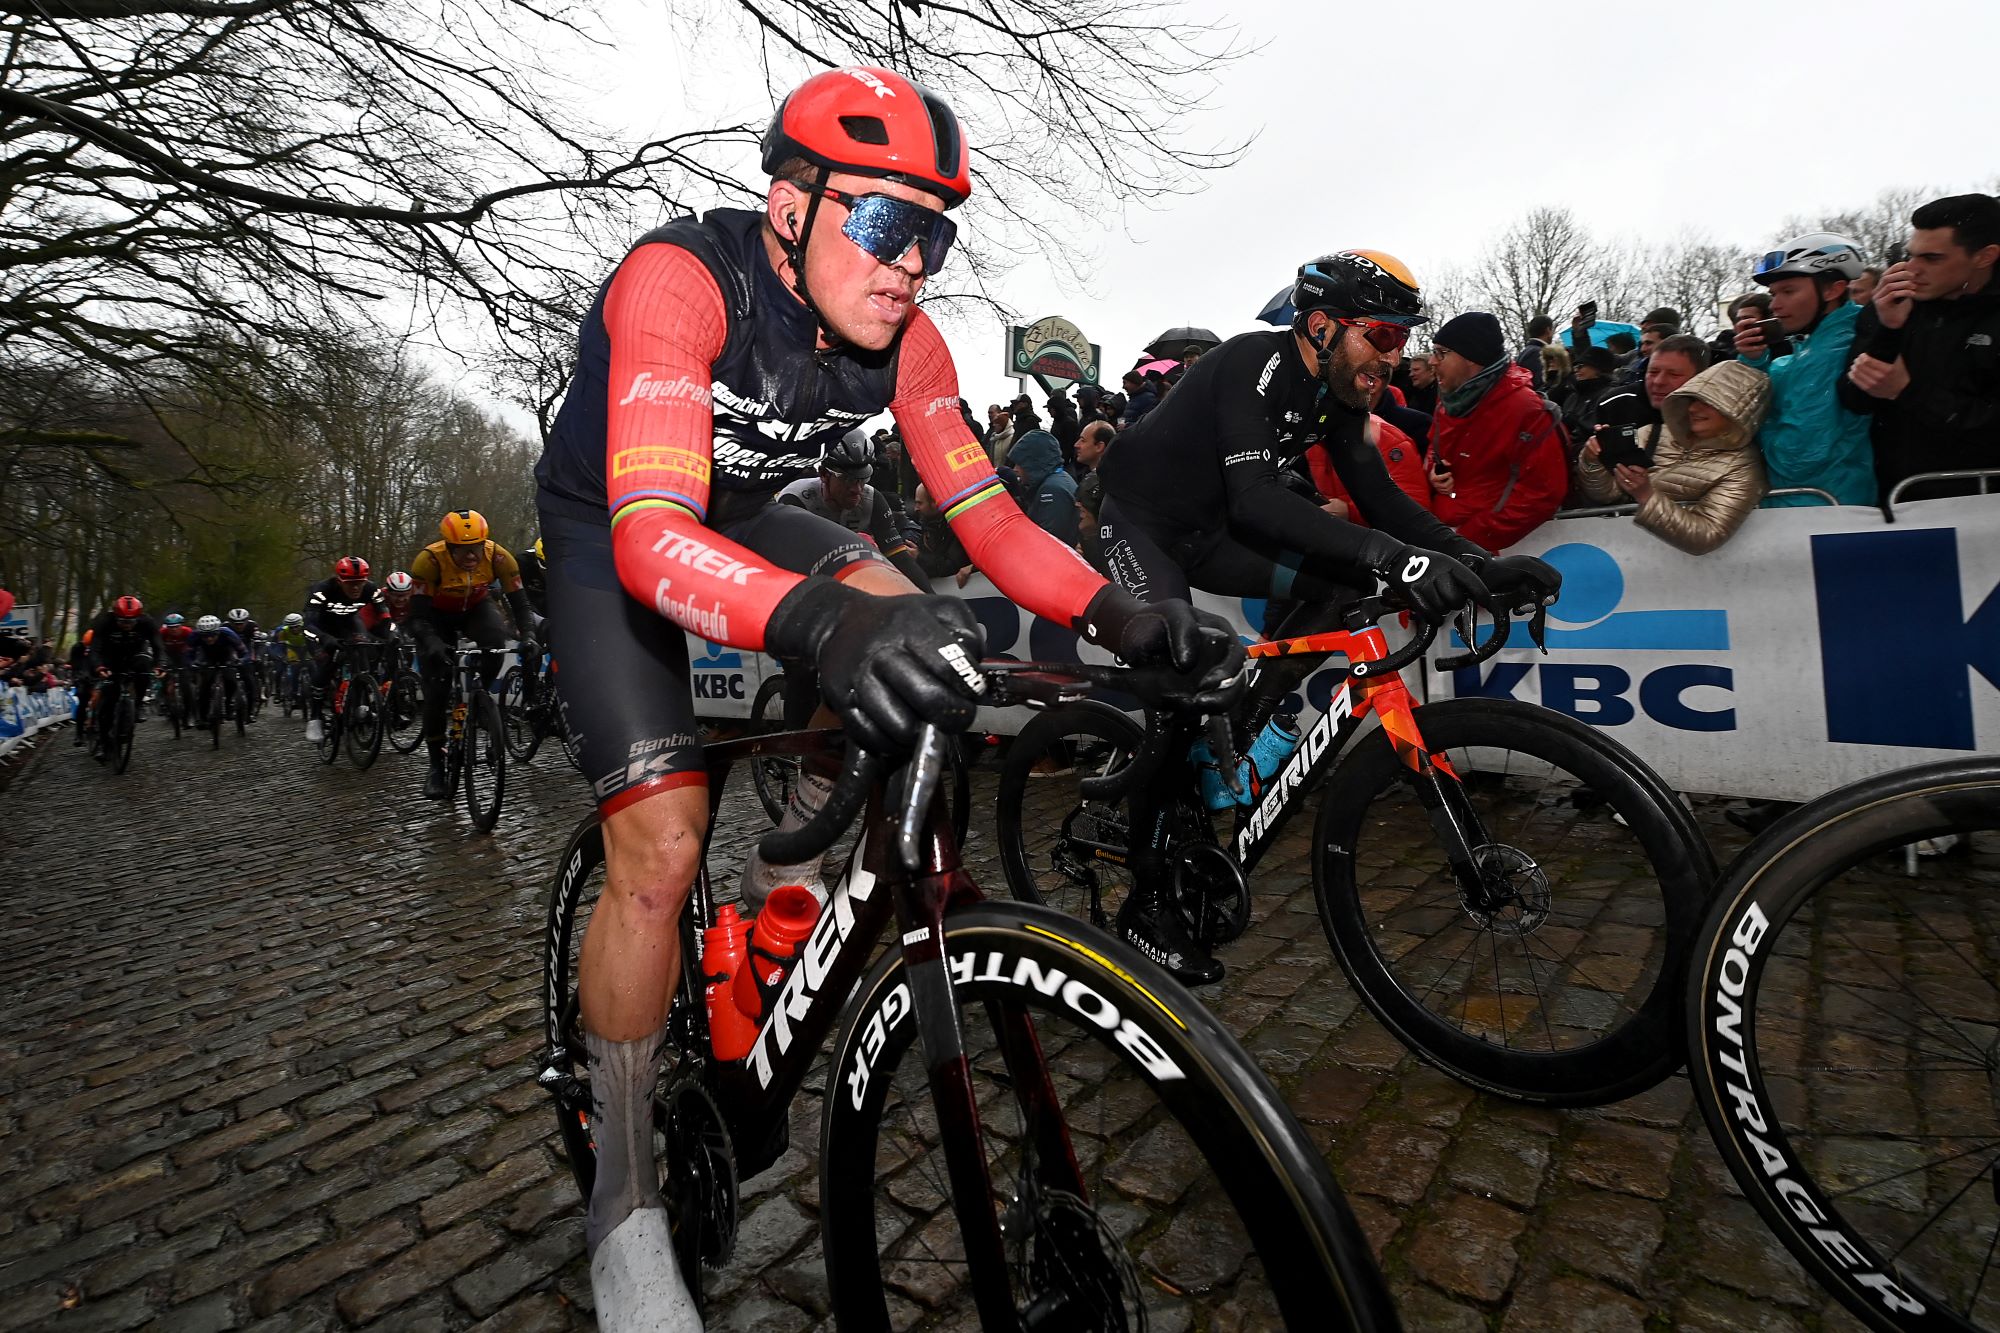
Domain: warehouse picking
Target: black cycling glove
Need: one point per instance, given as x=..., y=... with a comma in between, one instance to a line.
x=1431, y=583
x=1521, y=582
x=887, y=665
x=1172, y=633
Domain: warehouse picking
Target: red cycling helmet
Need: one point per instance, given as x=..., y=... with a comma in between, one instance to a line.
x=872, y=122
x=350, y=567
x=128, y=608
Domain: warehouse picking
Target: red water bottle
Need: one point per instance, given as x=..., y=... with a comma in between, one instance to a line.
x=787, y=918
x=724, y=958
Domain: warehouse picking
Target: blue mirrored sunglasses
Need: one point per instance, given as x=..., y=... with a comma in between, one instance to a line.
x=1775, y=259
x=886, y=227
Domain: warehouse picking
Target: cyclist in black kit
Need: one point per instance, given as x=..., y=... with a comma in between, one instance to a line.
x=1195, y=492
x=841, y=492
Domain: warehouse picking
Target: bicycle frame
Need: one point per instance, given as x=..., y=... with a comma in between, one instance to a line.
x=1257, y=826
x=755, y=1094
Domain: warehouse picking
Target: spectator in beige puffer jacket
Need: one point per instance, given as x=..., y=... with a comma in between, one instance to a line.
x=1707, y=474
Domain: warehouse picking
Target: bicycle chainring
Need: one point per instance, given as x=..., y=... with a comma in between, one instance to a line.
x=1210, y=893
x=1079, y=1274
x=1516, y=889
x=700, y=1185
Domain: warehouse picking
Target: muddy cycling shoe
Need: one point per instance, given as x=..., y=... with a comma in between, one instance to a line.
x=1155, y=929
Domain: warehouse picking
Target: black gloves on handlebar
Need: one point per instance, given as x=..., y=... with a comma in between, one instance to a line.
x=1432, y=583
x=887, y=665
x=1196, y=643
x=1521, y=582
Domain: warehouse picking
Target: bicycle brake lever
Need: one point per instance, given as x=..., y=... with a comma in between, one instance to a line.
x=920, y=784
x=1538, y=626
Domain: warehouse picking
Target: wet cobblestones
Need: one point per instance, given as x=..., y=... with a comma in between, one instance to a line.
x=268, y=1064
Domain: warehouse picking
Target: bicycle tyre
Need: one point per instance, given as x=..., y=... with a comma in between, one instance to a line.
x=1030, y=808
x=773, y=776
x=125, y=726
x=1772, y=1015
x=1621, y=1046
x=364, y=720
x=243, y=706
x=405, y=722
x=485, y=760
x=523, y=738
x=1298, y=1244
x=213, y=715
x=173, y=707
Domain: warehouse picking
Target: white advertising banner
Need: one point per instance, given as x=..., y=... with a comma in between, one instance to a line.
x=1818, y=646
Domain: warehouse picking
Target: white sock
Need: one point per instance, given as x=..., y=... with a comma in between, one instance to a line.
x=809, y=795
x=635, y=1281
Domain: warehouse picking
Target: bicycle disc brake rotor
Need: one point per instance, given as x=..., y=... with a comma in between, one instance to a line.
x=1078, y=1273
x=700, y=1187
x=1515, y=887
x=1210, y=892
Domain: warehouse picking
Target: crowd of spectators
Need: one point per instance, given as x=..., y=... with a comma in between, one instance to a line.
x=1833, y=379
x=24, y=662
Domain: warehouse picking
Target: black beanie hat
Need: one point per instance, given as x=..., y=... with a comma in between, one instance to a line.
x=1475, y=335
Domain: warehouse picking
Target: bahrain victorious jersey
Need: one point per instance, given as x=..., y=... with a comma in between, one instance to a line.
x=698, y=394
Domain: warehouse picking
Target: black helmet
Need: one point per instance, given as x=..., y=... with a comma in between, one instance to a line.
x=1359, y=284
x=852, y=455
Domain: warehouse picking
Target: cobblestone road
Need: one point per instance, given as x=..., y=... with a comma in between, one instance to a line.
x=268, y=1063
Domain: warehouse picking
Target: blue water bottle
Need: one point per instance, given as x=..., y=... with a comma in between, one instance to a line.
x=1214, y=794
x=1268, y=753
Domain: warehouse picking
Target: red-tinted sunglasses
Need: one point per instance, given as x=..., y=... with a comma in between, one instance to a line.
x=1381, y=336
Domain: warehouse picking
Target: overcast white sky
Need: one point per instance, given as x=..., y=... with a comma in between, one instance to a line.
x=1423, y=129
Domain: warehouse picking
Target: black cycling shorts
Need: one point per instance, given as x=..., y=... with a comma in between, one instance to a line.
x=1148, y=559
x=621, y=668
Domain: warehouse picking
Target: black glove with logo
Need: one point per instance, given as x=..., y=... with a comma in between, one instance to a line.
x=1431, y=583
x=887, y=665
x=1169, y=633
x=1521, y=582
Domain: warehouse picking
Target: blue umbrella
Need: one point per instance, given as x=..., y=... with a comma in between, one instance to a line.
x=1601, y=330
x=1278, y=310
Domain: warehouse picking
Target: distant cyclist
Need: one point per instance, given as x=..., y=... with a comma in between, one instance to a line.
x=453, y=578
x=218, y=654
x=123, y=641
x=243, y=627
x=842, y=493
x=333, y=615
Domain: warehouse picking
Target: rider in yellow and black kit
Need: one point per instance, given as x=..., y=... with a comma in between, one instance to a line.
x=453, y=578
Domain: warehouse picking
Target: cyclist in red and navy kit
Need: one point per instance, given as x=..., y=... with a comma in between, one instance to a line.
x=716, y=365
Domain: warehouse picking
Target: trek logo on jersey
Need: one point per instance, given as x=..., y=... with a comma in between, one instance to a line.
x=965, y=456
x=683, y=461
x=955, y=657
x=864, y=77
x=1270, y=369
x=710, y=622
x=704, y=559
x=647, y=389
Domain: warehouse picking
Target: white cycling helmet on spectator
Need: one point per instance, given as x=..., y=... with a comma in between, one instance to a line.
x=295, y=619
x=207, y=625
x=1810, y=256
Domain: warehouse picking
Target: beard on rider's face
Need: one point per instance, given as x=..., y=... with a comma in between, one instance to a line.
x=1344, y=375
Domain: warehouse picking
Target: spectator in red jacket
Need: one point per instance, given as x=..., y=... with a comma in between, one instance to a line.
x=1498, y=467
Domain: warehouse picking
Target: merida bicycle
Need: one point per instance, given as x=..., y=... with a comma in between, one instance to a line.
x=1511, y=892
